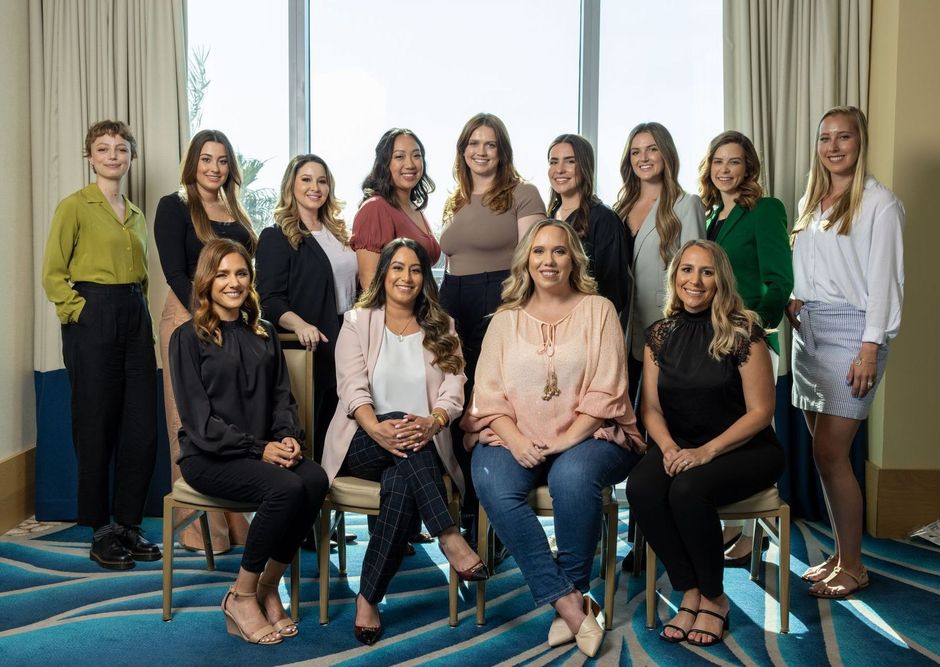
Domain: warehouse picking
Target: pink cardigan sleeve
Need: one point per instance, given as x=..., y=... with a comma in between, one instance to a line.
x=352, y=375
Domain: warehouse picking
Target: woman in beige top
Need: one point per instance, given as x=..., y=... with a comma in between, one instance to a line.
x=576, y=432
x=488, y=212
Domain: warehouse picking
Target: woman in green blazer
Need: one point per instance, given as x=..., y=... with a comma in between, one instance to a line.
x=752, y=229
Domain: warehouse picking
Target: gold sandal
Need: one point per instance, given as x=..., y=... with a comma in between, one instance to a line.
x=285, y=627
x=235, y=629
x=831, y=592
x=817, y=573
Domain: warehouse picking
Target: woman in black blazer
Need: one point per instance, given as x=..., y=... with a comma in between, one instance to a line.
x=606, y=243
x=307, y=274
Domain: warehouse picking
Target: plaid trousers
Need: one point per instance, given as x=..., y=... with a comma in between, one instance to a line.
x=410, y=487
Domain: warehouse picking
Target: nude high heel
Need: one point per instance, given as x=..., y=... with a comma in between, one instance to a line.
x=590, y=634
x=235, y=629
x=285, y=627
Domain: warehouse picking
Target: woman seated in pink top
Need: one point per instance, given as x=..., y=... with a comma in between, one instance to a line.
x=400, y=377
x=576, y=432
x=394, y=195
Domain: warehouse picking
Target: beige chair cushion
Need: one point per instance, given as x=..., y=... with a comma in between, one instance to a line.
x=355, y=492
x=184, y=493
x=540, y=499
x=767, y=500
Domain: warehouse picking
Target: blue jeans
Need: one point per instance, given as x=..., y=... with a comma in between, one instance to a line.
x=575, y=479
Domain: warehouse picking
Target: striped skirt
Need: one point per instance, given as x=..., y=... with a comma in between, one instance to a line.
x=825, y=346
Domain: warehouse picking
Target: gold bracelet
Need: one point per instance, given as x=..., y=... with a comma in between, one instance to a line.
x=440, y=417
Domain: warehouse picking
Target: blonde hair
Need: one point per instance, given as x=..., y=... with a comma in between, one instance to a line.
x=499, y=197
x=205, y=319
x=819, y=181
x=519, y=286
x=287, y=215
x=730, y=319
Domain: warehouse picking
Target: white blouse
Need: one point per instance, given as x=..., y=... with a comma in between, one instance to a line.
x=864, y=269
x=399, y=383
x=345, y=269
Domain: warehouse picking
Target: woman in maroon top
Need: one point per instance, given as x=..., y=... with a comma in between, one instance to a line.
x=394, y=195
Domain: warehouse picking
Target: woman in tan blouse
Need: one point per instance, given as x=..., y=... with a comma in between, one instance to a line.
x=576, y=432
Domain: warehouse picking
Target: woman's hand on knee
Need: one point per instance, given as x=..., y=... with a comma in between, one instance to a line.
x=416, y=432
x=687, y=459
x=295, y=452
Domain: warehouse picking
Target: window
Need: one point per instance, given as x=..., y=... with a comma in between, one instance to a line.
x=429, y=66
x=239, y=84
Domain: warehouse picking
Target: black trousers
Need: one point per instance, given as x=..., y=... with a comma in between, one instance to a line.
x=112, y=371
x=470, y=300
x=679, y=515
x=288, y=500
x=410, y=488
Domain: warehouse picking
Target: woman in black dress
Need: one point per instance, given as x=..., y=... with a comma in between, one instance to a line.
x=708, y=400
x=241, y=436
x=608, y=246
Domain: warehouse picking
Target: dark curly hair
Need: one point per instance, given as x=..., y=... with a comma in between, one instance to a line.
x=379, y=181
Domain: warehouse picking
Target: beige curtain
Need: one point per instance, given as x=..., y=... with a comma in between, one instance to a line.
x=785, y=63
x=91, y=60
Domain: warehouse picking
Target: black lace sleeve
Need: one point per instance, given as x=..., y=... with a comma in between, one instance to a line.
x=743, y=349
x=658, y=333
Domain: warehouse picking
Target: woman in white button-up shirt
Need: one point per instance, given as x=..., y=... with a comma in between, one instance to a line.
x=848, y=270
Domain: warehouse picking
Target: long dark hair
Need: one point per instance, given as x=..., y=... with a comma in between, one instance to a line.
x=379, y=181
x=584, y=161
x=444, y=345
x=230, y=189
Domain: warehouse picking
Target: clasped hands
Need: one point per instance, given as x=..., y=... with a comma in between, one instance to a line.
x=408, y=434
x=676, y=460
x=285, y=453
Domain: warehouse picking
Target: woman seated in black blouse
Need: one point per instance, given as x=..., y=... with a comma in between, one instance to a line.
x=240, y=435
x=708, y=400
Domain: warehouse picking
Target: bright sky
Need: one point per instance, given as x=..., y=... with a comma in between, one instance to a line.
x=429, y=65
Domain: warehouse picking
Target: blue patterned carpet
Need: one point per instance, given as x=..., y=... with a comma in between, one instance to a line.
x=57, y=607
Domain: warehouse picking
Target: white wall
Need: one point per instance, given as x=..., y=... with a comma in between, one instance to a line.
x=18, y=276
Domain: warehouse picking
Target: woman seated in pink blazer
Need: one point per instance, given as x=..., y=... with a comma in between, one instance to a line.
x=399, y=373
x=575, y=432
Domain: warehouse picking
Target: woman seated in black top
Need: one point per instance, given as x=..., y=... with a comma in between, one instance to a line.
x=240, y=435
x=708, y=399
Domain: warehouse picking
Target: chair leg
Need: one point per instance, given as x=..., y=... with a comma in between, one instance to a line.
x=323, y=558
x=483, y=550
x=452, y=574
x=167, y=557
x=783, y=570
x=638, y=544
x=341, y=542
x=650, y=586
x=295, y=587
x=207, y=540
x=756, y=549
x=609, y=564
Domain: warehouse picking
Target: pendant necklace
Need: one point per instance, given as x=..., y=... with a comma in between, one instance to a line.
x=401, y=334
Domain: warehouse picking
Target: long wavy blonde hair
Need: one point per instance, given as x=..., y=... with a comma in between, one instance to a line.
x=287, y=214
x=205, y=319
x=668, y=225
x=730, y=319
x=431, y=317
x=819, y=181
x=519, y=287
x=499, y=197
